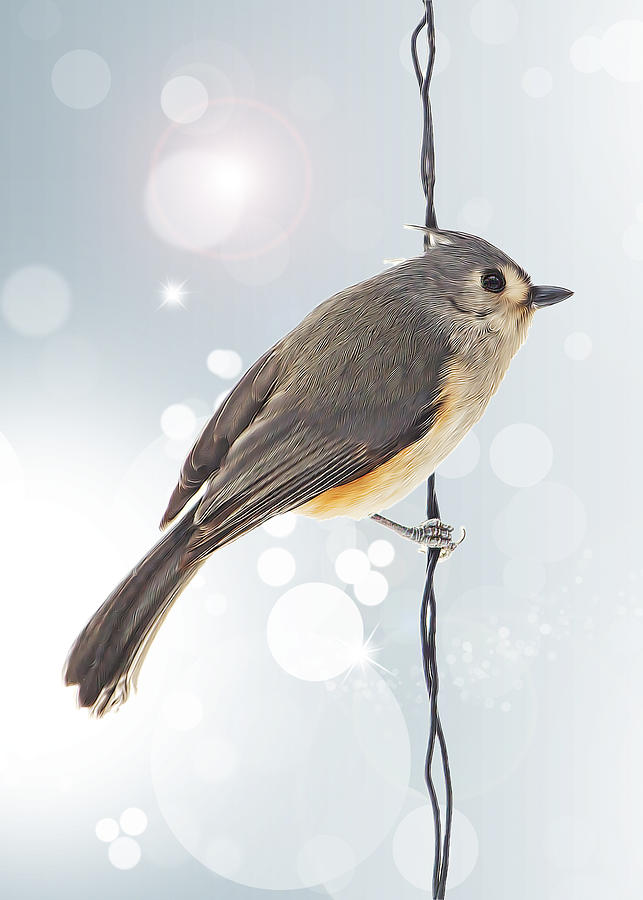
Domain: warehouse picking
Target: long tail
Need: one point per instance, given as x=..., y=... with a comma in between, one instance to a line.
x=108, y=653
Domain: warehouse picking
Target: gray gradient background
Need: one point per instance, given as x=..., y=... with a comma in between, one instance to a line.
x=551, y=783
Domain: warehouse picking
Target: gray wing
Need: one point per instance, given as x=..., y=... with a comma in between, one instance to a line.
x=234, y=415
x=357, y=381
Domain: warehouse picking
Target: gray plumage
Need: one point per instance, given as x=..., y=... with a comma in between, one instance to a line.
x=359, y=380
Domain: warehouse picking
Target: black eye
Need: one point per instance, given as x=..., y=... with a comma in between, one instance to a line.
x=493, y=281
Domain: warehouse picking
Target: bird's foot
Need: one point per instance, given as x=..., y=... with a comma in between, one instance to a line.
x=432, y=534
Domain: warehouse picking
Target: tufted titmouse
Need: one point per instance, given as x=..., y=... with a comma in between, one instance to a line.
x=344, y=416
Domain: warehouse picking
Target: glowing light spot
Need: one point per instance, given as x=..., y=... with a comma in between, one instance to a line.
x=184, y=99
x=585, y=54
x=172, y=293
x=521, y=455
x=178, y=421
x=372, y=589
x=381, y=553
x=107, y=830
x=133, y=821
x=35, y=300
x=224, y=363
x=578, y=345
x=315, y=632
x=124, y=853
x=276, y=566
x=81, y=79
x=622, y=50
x=352, y=565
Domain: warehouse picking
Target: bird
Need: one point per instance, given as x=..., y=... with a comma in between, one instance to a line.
x=343, y=416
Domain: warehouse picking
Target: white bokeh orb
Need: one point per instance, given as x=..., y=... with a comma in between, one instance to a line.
x=578, y=345
x=546, y=522
x=494, y=21
x=194, y=199
x=178, y=421
x=537, y=82
x=184, y=99
x=414, y=835
x=352, y=565
x=276, y=566
x=182, y=710
x=300, y=776
x=133, y=821
x=40, y=19
x=281, y=526
x=81, y=79
x=315, y=632
x=324, y=858
x=124, y=853
x=35, y=300
x=372, y=589
x=381, y=552
x=633, y=241
x=107, y=830
x=521, y=455
x=224, y=363
x=622, y=50
x=476, y=214
x=585, y=54
x=463, y=459
x=310, y=98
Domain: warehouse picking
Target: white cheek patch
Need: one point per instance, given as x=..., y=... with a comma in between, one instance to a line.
x=516, y=288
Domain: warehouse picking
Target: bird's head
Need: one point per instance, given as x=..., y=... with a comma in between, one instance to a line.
x=480, y=283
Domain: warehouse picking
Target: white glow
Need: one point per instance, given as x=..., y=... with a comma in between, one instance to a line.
x=173, y=293
x=315, y=632
x=537, y=82
x=133, y=821
x=381, y=553
x=372, y=589
x=195, y=199
x=276, y=566
x=352, y=565
x=622, y=50
x=107, y=830
x=36, y=300
x=81, y=79
x=224, y=363
x=184, y=99
x=178, y=421
x=585, y=53
x=521, y=455
x=578, y=345
x=124, y=853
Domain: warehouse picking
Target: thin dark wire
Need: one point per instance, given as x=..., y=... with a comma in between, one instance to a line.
x=428, y=611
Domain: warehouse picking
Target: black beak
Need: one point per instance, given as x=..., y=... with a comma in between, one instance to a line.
x=546, y=295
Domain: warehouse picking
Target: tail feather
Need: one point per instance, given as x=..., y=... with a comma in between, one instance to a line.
x=107, y=655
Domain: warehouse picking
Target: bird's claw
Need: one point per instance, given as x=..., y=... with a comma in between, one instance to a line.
x=435, y=535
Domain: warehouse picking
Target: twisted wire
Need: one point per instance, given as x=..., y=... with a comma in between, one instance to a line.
x=428, y=612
